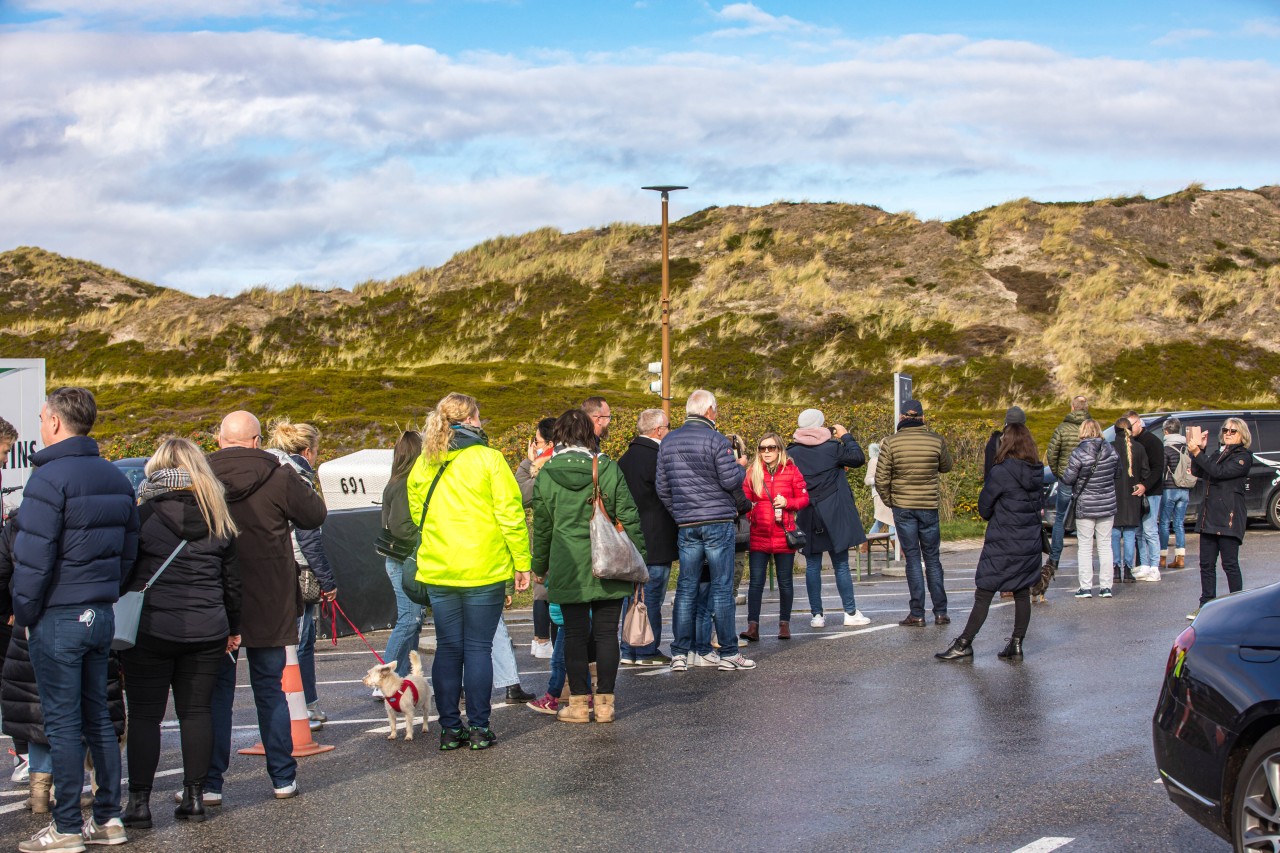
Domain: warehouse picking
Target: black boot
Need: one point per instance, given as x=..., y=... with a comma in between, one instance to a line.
x=192, y=806
x=959, y=648
x=516, y=695
x=137, y=813
x=1128, y=575
x=1013, y=651
x=1116, y=575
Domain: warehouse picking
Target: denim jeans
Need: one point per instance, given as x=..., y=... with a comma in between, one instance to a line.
x=655, y=592
x=703, y=620
x=877, y=526
x=1173, y=513
x=1128, y=536
x=266, y=668
x=69, y=647
x=715, y=544
x=39, y=759
x=466, y=620
x=920, y=535
x=224, y=697
x=307, y=652
x=1149, y=545
x=844, y=582
x=407, y=633
x=505, y=672
x=1061, y=502
x=786, y=566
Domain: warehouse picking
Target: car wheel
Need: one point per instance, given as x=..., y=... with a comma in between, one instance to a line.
x=1273, y=510
x=1255, y=810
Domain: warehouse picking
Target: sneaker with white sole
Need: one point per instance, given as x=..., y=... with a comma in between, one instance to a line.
x=108, y=834
x=540, y=649
x=287, y=791
x=1150, y=575
x=855, y=618
x=679, y=663
x=735, y=663
x=712, y=659
x=1105, y=593
x=1084, y=593
x=21, y=770
x=50, y=839
x=627, y=660
x=818, y=621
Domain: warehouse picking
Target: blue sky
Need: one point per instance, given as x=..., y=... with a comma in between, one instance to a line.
x=212, y=145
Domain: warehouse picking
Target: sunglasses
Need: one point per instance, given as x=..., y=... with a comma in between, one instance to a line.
x=1229, y=431
x=764, y=448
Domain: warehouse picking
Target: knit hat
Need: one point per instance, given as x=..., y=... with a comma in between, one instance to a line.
x=1015, y=415
x=810, y=418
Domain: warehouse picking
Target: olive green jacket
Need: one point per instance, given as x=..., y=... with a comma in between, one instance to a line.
x=908, y=467
x=1064, y=440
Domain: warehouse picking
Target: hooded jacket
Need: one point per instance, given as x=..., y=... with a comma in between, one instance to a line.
x=698, y=476
x=1064, y=440
x=830, y=522
x=639, y=465
x=77, y=531
x=265, y=497
x=1098, y=498
x=308, y=545
x=197, y=597
x=562, y=511
x=1011, y=550
x=1225, y=472
x=474, y=531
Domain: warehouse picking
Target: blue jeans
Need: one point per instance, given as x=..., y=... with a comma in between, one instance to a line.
x=466, y=620
x=1149, y=545
x=407, y=633
x=1129, y=537
x=68, y=648
x=505, y=672
x=307, y=652
x=844, y=581
x=758, y=562
x=655, y=592
x=877, y=526
x=703, y=621
x=1173, y=513
x=39, y=759
x=266, y=668
x=224, y=697
x=919, y=533
x=1061, y=502
x=715, y=544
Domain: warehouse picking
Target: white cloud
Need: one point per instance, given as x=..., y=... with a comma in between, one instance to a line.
x=1264, y=27
x=220, y=160
x=755, y=21
x=1179, y=37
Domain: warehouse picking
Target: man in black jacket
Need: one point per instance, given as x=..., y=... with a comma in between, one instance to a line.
x=640, y=466
x=77, y=539
x=1152, y=488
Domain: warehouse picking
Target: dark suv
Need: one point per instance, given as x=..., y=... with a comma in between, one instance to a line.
x=1262, y=491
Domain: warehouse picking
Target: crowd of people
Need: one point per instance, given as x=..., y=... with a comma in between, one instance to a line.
x=227, y=553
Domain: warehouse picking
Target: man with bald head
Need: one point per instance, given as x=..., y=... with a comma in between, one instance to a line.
x=264, y=497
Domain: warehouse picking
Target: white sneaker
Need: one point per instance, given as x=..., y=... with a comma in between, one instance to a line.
x=21, y=770
x=855, y=618
x=679, y=663
x=290, y=790
x=1151, y=575
x=712, y=659
x=736, y=663
x=740, y=600
x=540, y=649
x=50, y=839
x=818, y=621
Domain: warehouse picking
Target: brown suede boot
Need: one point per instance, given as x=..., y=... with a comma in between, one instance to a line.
x=1179, y=562
x=752, y=633
x=604, y=707
x=38, y=802
x=577, y=711
x=1162, y=561
x=784, y=630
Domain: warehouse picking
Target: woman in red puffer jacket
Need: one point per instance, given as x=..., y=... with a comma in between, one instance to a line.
x=776, y=489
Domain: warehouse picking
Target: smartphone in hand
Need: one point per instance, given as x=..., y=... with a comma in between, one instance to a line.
x=1197, y=437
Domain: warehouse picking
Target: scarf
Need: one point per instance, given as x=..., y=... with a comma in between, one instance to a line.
x=910, y=422
x=162, y=482
x=811, y=436
x=465, y=435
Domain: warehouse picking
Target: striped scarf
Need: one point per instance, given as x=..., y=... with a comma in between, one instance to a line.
x=163, y=481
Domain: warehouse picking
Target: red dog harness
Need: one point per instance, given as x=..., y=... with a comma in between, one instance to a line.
x=395, y=700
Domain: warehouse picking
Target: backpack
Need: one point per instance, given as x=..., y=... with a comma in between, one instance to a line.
x=1182, y=476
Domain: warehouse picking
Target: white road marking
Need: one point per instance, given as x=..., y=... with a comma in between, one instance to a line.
x=124, y=784
x=1044, y=845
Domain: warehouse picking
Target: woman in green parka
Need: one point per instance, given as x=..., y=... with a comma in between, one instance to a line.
x=562, y=555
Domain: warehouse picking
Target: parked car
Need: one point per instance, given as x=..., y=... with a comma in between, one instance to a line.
x=1216, y=729
x=1262, y=491
x=134, y=468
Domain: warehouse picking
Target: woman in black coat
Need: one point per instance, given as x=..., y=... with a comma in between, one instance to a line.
x=1223, y=515
x=1133, y=467
x=1011, y=552
x=190, y=620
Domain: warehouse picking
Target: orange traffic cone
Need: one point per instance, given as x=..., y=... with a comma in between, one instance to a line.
x=291, y=684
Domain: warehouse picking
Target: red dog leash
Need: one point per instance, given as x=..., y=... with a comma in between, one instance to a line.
x=333, y=633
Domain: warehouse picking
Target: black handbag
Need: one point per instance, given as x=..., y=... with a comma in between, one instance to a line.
x=414, y=588
x=796, y=540
x=392, y=548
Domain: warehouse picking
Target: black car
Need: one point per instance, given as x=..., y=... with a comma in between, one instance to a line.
x=1262, y=491
x=1216, y=729
x=134, y=468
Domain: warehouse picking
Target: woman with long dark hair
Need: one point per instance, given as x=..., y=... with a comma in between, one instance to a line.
x=396, y=518
x=1131, y=470
x=1010, y=560
x=1223, y=515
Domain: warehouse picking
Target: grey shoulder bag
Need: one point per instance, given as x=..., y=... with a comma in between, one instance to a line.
x=128, y=610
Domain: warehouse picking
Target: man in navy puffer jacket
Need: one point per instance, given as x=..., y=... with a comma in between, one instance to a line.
x=697, y=480
x=77, y=538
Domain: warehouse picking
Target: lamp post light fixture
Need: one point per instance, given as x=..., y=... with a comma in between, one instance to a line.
x=666, y=301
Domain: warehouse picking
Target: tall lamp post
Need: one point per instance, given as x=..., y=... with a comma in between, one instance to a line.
x=666, y=301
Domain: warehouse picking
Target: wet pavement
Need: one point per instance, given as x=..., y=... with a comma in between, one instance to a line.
x=840, y=739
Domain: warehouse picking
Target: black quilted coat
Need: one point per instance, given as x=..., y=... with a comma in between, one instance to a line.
x=1010, y=502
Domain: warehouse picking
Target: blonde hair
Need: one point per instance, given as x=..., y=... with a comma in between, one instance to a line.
x=1089, y=428
x=1246, y=438
x=211, y=496
x=1123, y=426
x=453, y=408
x=294, y=438
x=756, y=470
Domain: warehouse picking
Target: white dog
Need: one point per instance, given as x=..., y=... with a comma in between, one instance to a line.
x=401, y=695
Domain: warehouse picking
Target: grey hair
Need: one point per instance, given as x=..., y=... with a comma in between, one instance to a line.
x=1172, y=425
x=1079, y=404
x=699, y=402
x=649, y=420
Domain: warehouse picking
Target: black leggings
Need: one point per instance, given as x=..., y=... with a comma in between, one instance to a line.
x=1211, y=547
x=151, y=668
x=541, y=619
x=982, y=603
x=584, y=622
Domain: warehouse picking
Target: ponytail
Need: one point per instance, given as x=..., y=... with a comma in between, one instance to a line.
x=453, y=408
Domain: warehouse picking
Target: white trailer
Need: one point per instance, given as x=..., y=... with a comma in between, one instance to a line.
x=355, y=480
x=21, y=395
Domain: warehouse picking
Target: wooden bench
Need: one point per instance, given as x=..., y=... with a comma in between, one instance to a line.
x=874, y=540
